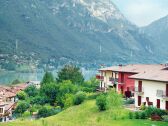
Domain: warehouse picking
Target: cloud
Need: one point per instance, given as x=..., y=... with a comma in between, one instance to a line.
x=143, y=12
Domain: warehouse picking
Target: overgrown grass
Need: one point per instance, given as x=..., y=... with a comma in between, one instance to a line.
x=88, y=114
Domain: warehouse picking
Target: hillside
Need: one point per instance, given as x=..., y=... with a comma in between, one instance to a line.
x=80, y=30
x=87, y=114
x=157, y=31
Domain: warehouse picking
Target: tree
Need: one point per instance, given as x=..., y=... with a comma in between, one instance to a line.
x=16, y=82
x=21, y=108
x=21, y=95
x=50, y=90
x=48, y=78
x=31, y=91
x=72, y=73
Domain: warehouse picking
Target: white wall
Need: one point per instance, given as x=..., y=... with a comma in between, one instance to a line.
x=150, y=89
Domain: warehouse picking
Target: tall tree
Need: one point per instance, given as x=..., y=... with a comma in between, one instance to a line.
x=72, y=73
x=48, y=78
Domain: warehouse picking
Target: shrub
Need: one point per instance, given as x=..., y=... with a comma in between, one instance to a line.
x=130, y=115
x=142, y=107
x=136, y=115
x=165, y=118
x=45, y=112
x=114, y=99
x=91, y=96
x=154, y=111
x=21, y=108
x=101, y=102
x=21, y=95
x=143, y=115
x=16, y=82
x=79, y=97
x=68, y=100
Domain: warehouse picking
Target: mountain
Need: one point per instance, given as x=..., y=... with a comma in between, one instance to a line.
x=80, y=30
x=157, y=31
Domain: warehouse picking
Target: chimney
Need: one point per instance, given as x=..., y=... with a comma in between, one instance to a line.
x=120, y=65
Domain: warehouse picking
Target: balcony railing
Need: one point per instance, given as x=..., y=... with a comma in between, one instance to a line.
x=162, y=94
x=113, y=80
x=99, y=77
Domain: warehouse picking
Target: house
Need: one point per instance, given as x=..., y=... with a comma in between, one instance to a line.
x=35, y=83
x=119, y=76
x=107, y=78
x=151, y=88
x=6, y=110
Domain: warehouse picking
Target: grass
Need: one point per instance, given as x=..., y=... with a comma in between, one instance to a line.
x=87, y=114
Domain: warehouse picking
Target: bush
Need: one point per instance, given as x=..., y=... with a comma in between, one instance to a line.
x=45, y=112
x=114, y=99
x=142, y=107
x=154, y=111
x=165, y=118
x=79, y=97
x=68, y=100
x=137, y=115
x=101, y=102
x=143, y=115
x=16, y=82
x=91, y=96
x=21, y=95
x=21, y=108
x=130, y=115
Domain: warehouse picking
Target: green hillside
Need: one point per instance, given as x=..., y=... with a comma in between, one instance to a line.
x=87, y=114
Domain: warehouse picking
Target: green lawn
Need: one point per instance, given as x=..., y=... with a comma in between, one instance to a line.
x=87, y=114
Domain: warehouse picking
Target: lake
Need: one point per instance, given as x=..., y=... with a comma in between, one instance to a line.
x=7, y=77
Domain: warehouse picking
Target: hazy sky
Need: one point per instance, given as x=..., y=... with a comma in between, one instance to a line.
x=143, y=12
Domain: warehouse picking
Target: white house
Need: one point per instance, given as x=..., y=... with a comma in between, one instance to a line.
x=151, y=88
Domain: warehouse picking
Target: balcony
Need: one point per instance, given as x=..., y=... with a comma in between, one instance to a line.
x=99, y=77
x=139, y=91
x=113, y=80
x=162, y=94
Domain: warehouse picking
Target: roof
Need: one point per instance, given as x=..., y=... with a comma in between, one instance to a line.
x=155, y=72
x=134, y=68
x=154, y=75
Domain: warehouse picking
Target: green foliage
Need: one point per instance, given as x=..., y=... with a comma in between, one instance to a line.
x=152, y=110
x=31, y=91
x=101, y=102
x=90, y=85
x=137, y=115
x=21, y=107
x=143, y=115
x=79, y=97
x=21, y=95
x=131, y=115
x=48, y=78
x=142, y=107
x=165, y=118
x=49, y=90
x=45, y=112
x=16, y=82
x=39, y=100
x=72, y=73
x=67, y=100
x=32, y=109
x=114, y=99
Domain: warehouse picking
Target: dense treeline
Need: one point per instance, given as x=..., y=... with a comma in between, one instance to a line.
x=56, y=94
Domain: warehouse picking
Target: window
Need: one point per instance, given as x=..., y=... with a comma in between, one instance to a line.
x=1, y=110
x=122, y=77
x=140, y=86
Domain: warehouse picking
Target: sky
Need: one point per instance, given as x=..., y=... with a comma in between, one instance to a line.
x=142, y=12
